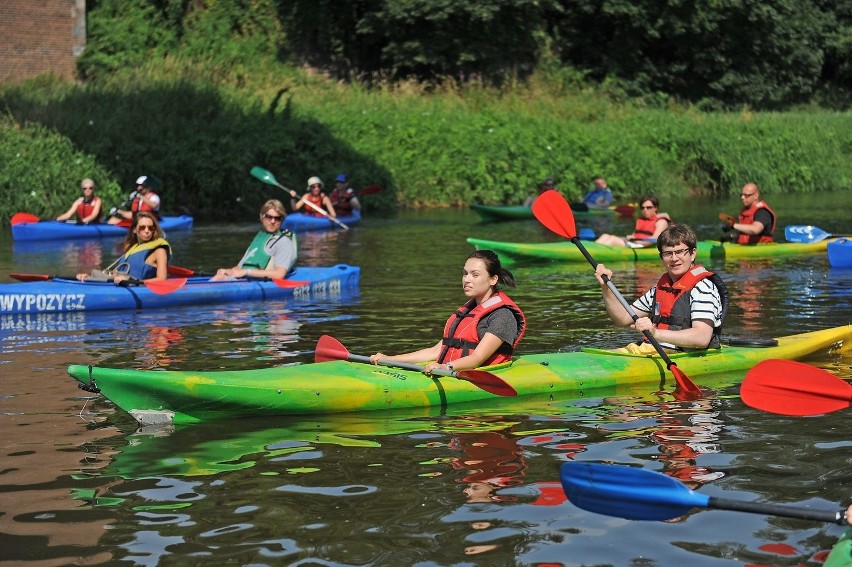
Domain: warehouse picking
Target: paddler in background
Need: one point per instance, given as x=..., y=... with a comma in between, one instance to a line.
x=756, y=222
x=85, y=209
x=685, y=309
x=343, y=197
x=146, y=254
x=483, y=331
x=271, y=254
x=649, y=225
x=316, y=197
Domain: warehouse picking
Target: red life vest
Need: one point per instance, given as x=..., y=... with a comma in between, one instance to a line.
x=139, y=205
x=672, y=305
x=342, y=201
x=645, y=228
x=747, y=217
x=84, y=209
x=461, y=335
x=316, y=200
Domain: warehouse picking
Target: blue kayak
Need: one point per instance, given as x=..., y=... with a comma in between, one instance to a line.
x=298, y=222
x=840, y=253
x=59, y=230
x=65, y=295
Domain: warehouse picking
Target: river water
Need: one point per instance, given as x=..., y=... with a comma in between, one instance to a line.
x=79, y=483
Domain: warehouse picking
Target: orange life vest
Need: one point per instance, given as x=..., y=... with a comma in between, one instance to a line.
x=672, y=308
x=747, y=217
x=316, y=200
x=84, y=209
x=461, y=335
x=645, y=228
x=138, y=205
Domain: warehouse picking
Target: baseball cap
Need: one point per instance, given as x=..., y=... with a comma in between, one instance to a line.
x=342, y=177
x=141, y=180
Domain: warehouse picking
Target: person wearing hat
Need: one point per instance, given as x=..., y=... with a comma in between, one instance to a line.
x=343, y=197
x=316, y=197
x=86, y=209
x=142, y=199
x=546, y=185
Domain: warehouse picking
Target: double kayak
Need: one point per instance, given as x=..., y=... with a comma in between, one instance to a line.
x=60, y=230
x=340, y=386
x=566, y=251
x=66, y=295
x=493, y=213
x=298, y=222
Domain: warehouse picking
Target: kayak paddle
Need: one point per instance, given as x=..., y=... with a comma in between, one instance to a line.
x=178, y=271
x=328, y=348
x=788, y=387
x=158, y=287
x=800, y=233
x=370, y=190
x=638, y=494
x=19, y=218
x=553, y=211
x=269, y=179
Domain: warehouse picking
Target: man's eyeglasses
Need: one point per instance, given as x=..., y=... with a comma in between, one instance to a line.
x=746, y=194
x=669, y=255
x=273, y=218
x=142, y=227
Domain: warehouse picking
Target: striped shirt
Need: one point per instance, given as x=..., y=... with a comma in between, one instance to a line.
x=704, y=302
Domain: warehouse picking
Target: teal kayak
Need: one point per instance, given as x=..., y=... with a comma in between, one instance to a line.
x=341, y=386
x=566, y=251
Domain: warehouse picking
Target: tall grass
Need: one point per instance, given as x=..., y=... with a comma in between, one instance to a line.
x=200, y=127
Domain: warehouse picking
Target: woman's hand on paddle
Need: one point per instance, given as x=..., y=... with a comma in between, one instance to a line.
x=433, y=365
x=82, y=277
x=374, y=358
x=118, y=279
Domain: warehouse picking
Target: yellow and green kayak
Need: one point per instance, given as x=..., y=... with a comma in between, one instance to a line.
x=341, y=386
x=566, y=251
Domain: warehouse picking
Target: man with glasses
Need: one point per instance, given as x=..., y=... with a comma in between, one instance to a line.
x=85, y=209
x=684, y=311
x=272, y=253
x=757, y=220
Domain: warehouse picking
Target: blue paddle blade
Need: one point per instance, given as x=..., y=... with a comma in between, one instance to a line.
x=800, y=233
x=627, y=492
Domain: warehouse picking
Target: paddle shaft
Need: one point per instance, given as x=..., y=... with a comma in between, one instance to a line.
x=837, y=517
x=669, y=363
x=403, y=365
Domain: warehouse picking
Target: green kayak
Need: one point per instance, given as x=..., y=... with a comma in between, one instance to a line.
x=566, y=251
x=493, y=213
x=341, y=386
x=841, y=553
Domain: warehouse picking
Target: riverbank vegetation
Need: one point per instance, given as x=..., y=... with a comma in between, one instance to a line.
x=199, y=108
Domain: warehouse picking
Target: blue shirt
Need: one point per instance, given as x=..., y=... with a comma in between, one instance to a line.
x=598, y=198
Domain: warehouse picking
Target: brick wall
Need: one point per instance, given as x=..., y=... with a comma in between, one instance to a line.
x=40, y=36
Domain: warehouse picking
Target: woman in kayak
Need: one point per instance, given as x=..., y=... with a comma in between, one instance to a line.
x=146, y=254
x=649, y=225
x=685, y=309
x=315, y=200
x=271, y=254
x=85, y=209
x=483, y=331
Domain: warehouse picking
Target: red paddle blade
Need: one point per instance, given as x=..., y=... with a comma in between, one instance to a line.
x=686, y=389
x=788, y=387
x=165, y=287
x=328, y=348
x=487, y=381
x=19, y=218
x=178, y=272
x=553, y=211
x=370, y=190
x=290, y=283
x=31, y=277
x=625, y=210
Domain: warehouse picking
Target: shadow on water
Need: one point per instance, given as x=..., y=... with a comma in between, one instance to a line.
x=200, y=144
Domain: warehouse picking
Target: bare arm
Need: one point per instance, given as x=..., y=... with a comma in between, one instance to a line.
x=753, y=228
x=697, y=336
x=422, y=355
x=659, y=227
x=70, y=212
x=483, y=351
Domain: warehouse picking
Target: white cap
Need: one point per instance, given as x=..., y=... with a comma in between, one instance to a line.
x=314, y=180
x=142, y=179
